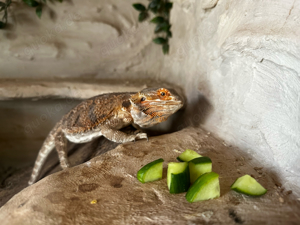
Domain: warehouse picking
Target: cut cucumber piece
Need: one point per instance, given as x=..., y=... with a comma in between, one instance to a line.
x=205, y=187
x=199, y=166
x=249, y=186
x=151, y=172
x=178, y=177
x=188, y=155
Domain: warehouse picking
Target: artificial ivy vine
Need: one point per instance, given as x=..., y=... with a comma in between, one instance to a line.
x=38, y=5
x=3, y=9
x=161, y=9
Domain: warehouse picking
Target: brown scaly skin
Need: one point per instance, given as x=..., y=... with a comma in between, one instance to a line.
x=105, y=115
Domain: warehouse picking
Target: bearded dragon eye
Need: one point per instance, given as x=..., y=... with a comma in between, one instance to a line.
x=143, y=99
x=162, y=93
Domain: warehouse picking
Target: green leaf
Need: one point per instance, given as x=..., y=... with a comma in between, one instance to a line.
x=31, y=3
x=169, y=5
x=2, y=25
x=143, y=16
x=60, y=1
x=4, y=17
x=165, y=26
x=159, y=6
x=158, y=19
x=2, y=6
x=139, y=7
x=38, y=11
x=8, y=2
x=154, y=10
x=159, y=40
x=154, y=6
x=166, y=49
x=169, y=34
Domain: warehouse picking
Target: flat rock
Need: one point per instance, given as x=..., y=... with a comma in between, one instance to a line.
x=66, y=197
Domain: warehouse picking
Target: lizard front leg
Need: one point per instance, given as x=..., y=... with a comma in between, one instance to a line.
x=138, y=129
x=119, y=136
x=61, y=148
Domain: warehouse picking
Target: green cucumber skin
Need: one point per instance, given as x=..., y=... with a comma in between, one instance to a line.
x=144, y=169
x=245, y=192
x=179, y=159
x=252, y=195
x=200, y=160
x=199, y=182
x=180, y=182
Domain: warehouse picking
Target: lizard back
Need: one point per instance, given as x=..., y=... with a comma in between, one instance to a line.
x=94, y=111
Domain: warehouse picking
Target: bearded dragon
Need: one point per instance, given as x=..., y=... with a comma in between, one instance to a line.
x=104, y=115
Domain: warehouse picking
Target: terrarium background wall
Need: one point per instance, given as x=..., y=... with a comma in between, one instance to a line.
x=243, y=56
x=82, y=39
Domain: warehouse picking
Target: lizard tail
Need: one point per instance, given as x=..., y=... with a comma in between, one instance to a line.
x=45, y=150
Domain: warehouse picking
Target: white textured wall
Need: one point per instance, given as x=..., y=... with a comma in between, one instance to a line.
x=244, y=56
x=82, y=39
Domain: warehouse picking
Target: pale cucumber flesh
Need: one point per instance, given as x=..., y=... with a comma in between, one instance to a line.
x=155, y=173
x=198, y=167
x=205, y=187
x=188, y=155
x=151, y=172
x=249, y=186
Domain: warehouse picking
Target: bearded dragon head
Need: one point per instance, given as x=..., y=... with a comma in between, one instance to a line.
x=154, y=105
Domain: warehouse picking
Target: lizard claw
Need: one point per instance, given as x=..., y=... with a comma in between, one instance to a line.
x=141, y=136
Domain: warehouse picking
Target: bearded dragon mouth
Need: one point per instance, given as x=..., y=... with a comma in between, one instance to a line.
x=161, y=103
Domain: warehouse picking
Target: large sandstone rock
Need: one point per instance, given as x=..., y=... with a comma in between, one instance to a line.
x=65, y=197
